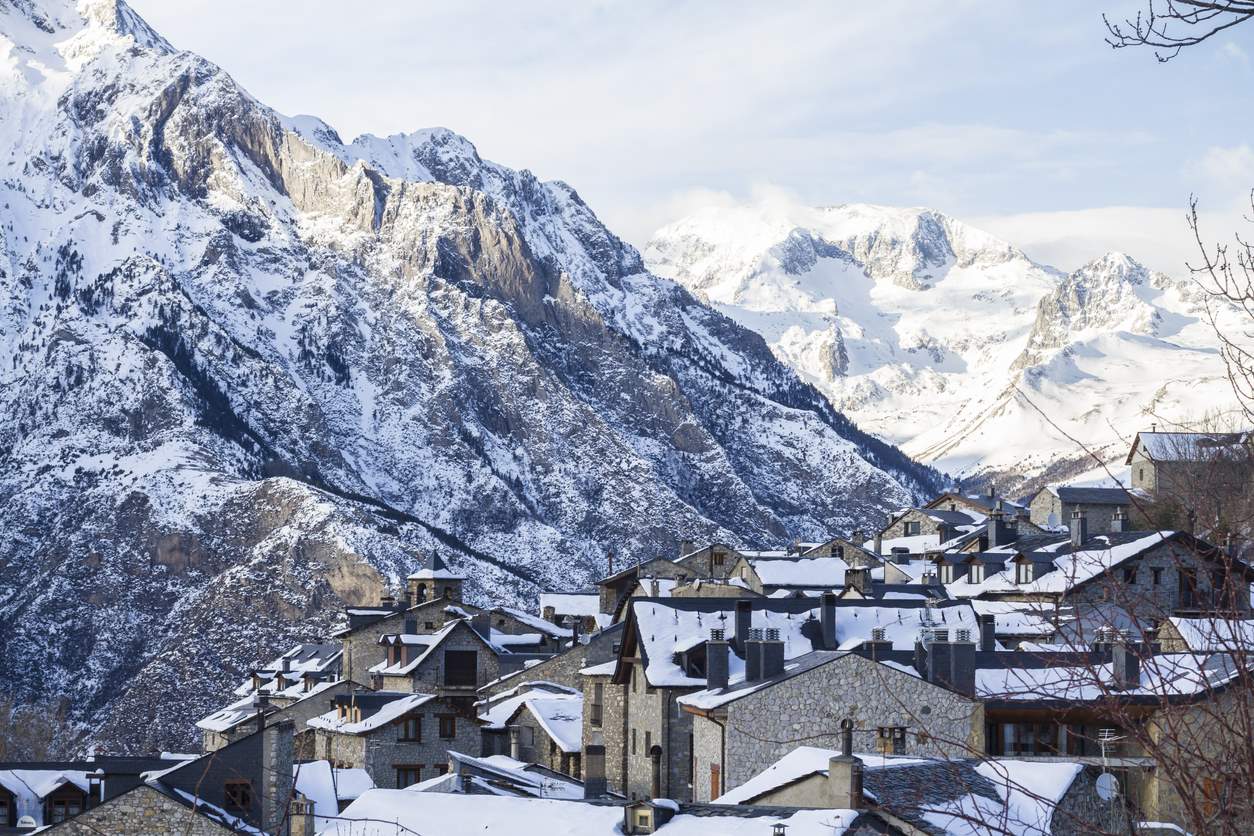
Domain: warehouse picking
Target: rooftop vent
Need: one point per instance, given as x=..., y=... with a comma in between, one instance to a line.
x=772, y=634
x=717, y=633
x=879, y=634
x=755, y=634
x=962, y=635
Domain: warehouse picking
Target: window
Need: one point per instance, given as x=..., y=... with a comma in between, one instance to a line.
x=1023, y=572
x=5, y=809
x=411, y=730
x=633, y=741
x=912, y=529
x=634, y=689
x=461, y=668
x=719, y=557
x=60, y=809
x=441, y=769
x=1140, y=474
x=448, y=726
x=1156, y=575
x=598, y=698
x=977, y=572
x=239, y=794
x=428, y=625
x=946, y=573
x=407, y=775
x=648, y=741
x=1129, y=575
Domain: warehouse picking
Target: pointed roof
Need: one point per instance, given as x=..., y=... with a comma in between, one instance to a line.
x=438, y=570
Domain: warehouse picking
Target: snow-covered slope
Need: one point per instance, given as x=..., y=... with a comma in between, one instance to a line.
x=249, y=371
x=950, y=342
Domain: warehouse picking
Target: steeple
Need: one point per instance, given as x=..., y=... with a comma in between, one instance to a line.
x=436, y=580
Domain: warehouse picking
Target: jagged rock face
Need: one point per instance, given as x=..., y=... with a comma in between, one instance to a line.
x=950, y=342
x=251, y=371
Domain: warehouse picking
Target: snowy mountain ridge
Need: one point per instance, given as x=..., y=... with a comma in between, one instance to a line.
x=951, y=342
x=251, y=369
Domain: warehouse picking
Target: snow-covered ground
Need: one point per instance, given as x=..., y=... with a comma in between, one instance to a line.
x=951, y=343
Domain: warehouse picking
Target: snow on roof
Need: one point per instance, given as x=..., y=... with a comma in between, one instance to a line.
x=1017, y=618
x=35, y=784
x=1165, y=675
x=561, y=717
x=500, y=707
x=1175, y=447
x=571, y=603
x=1075, y=568
x=327, y=787
x=915, y=544
x=535, y=622
x=434, y=640
x=800, y=762
x=603, y=669
x=1216, y=633
x=211, y=810
x=241, y=710
x=662, y=627
x=380, y=812
x=804, y=571
x=389, y=711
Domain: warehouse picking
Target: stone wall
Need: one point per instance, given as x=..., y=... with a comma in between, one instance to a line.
x=653, y=718
x=361, y=647
x=562, y=669
x=542, y=749
x=611, y=733
x=298, y=712
x=1082, y=811
x=766, y=725
x=140, y=812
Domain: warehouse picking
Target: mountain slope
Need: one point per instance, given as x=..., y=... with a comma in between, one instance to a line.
x=252, y=371
x=950, y=342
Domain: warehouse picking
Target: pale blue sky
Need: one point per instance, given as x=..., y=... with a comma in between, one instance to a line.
x=1012, y=114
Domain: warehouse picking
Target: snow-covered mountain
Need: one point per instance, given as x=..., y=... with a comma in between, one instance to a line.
x=248, y=371
x=951, y=343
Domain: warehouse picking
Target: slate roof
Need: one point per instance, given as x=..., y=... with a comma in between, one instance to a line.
x=1092, y=496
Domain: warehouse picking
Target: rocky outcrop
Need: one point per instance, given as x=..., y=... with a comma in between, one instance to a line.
x=253, y=372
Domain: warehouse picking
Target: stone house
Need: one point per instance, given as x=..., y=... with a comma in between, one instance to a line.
x=581, y=608
x=908, y=793
x=1206, y=635
x=548, y=730
x=662, y=657
x=398, y=738
x=1166, y=464
x=1106, y=509
x=765, y=575
x=741, y=728
x=849, y=549
x=246, y=786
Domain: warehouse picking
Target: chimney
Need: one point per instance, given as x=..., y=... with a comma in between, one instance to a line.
x=844, y=773
x=1119, y=521
x=609, y=570
x=753, y=655
x=387, y=601
x=988, y=633
x=300, y=815
x=594, y=785
x=901, y=555
x=515, y=743
x=716, y=660
x=481, y=623
x=994, y=529
x=1125, y=664
x=1079, y=529
x=879, y=543
x=929, y=577
x=772, y=654
x=860, y=580
x=828, y=620
x=878, y=646
x=951, y=663
x=744, y=618
x=285, y=665
x=686, y=547
x=991, y=493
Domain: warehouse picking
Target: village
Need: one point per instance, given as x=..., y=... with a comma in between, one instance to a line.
x=1055, y=664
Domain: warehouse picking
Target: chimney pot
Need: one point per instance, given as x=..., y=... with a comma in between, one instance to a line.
x=1079, y=528
x=844, y=773
x=716, y=661
x=988, y=633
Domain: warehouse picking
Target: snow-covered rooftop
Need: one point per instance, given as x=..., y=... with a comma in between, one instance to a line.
x=823, y=572
x=571, y=603
x=388, y=712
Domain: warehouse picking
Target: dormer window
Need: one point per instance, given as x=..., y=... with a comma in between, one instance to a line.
x=977, y=572
x=947, y=573
x=1023, y=572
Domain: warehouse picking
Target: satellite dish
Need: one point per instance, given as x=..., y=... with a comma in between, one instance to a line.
x=1107, y=786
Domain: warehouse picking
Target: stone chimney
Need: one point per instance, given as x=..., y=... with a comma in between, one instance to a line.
x=950, y=663
x=744, y=618
x=879, y=543
x=387, y=601
x=1118, y=521
x=686, y=547
x=753, y=655
x=275, y=778
x=859, y=579
x=878, y=646
x=1079, y=529
x=716, y=660
x=301, y=816
x=1125, y=665
x=901, y=555
x=772, y=654
x=988, y=633
x=844, y=773
x=827, y=620
x=594, y=785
